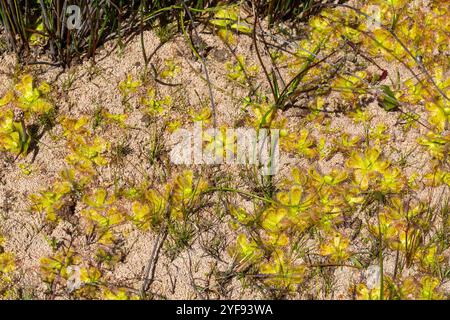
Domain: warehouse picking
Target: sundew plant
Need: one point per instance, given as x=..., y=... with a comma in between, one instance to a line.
x=93, y=205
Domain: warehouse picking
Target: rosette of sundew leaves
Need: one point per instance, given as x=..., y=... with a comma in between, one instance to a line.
x=437, y=178
x=32, y=99
x=336, y=248
x=147, y=212
x=87, y=150
x=436, y=145
x=187, y=191
x=350, y=86
x=294, y=209
x=90, y=277
x=438, y=113
x=227, y=19
x=149, y=206
x=102, y=215
x=170, y=70
x=86, y=153
x=154, y=105
x=241, y=217
x=52, y=200
x=398, y=225
x=245, y=251
x=57, y=265
x=430, y=257
x=240, y=71
x=333, y=178
x=302, y=143
x=282, y=272
x=221, y=144
x=204, y=115
x=367, y=166
x=20, y=105
x=127, y=88
x=346, y=143
x=13, y=135
x=378, y=135
x=263, y=114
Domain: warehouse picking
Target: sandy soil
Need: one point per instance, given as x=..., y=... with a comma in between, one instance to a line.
x=96, y=85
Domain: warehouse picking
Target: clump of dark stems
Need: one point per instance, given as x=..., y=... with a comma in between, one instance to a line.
x=103, y=20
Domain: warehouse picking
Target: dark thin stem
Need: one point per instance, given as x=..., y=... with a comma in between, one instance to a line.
x=210, y=90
